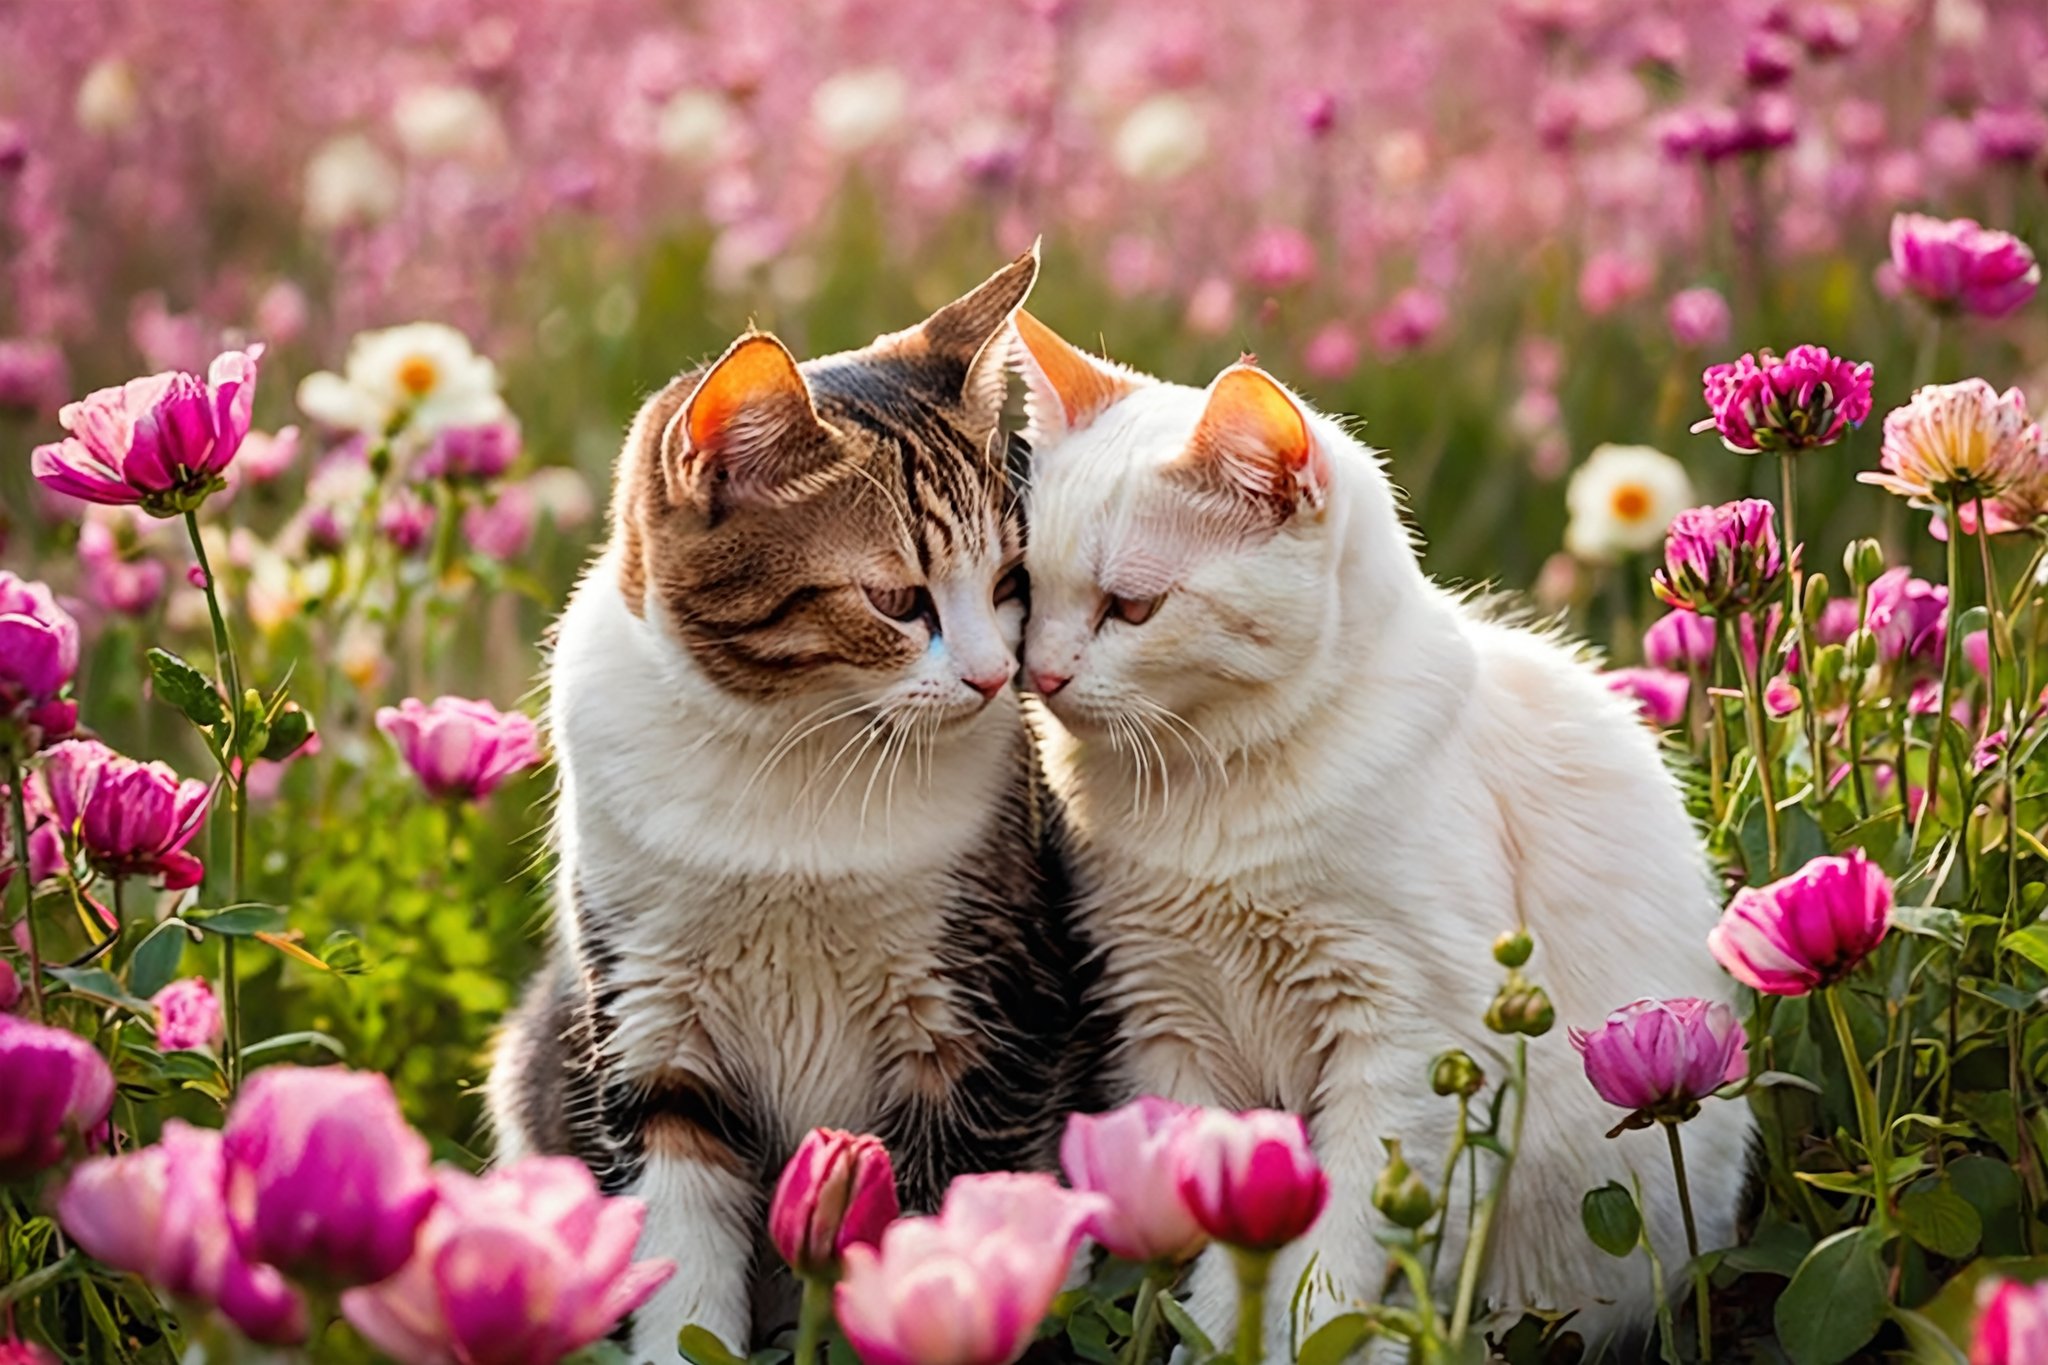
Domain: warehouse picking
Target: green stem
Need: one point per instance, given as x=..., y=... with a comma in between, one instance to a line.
x=1443, y=1194
x=1876, y=1145
x=1759, y=735
x=812, y=1317
x=1254, y=1268
x=17, y=805
x=1692, y=1243
x=1995, y=649
x=1717, y=737
x=230, y=674
x=1480, y=1224
x=1809, y=704
x=1145, y=1314
x=1856, y=676
x=1951, y=644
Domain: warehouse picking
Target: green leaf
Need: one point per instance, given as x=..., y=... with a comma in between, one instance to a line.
x=290, y=729
x=1337, y=1340
x=1836, y=1300
x=185, y=687
x=36, y=1281
x=1776, y=1249
x=96, y=984
x=1612, y=1219
x=700, y=1347
x=2030, y=943
x=1191, y=1336
x=1767, y=1079
x=154, y=963
x=2000, y=994
x=1993, y=1190
x=285, y=1041
x=1089, y=1336
x=1837, y=1182
x=1938, y=922
x=1926, y=1343
x=1943, y=1222
x=238, y=921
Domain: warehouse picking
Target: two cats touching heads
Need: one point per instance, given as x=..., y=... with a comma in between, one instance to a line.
x=821, y=864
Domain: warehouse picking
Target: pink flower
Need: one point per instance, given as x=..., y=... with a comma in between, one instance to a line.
x=131, y=587
x=2012, y=1324
x=324, y=1180
x=16, y=1352
x=1908, y=615
x=45, y=840
x=1781, y=696
x=1660, y=1058
x=1680, y=639
x=1807, y=930
x=1957, y=441
x=265, y=457
x=2013, y=133
x=1278, y=258
x=187, y=1015
x=59, y=1092
x=10, y=987
x=1127, y=1157
x=1977, y=650
x=1658, y=693
x=1802, y=401
x=1769, y=59
x=1698, y=317
x=1410, y=322
x=1332, y=353
x=1250, y=1179
x=529, y=1263
x=1956, y=264
x=1318, y=111
x=1987, y=752
x=839, y=1190
x=158, y=1213
x=38, y=656
x=161, y=442
x=471, y=454
x=1611, y=279
x=132, y=819
x=460, y=748
x=1718, y=559
x=406, y=520
x=33, y=375
x=970, y=1286
x=502, y=528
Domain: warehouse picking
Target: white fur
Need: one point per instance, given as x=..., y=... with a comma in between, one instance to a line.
x=1310, y=792
x=785, y=898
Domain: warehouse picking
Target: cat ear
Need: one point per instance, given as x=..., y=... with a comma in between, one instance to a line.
x=749, y=429
x=1254, y=442
x=1065, y=387
x=972, y=334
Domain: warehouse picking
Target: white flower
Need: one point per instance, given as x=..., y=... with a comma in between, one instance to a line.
x=1161, y=139
x=564, y=495
x=349, y=182
x=693, y=126
x=856, y=109
x=107, y=100
x=1621, y=500
x=418, y=378
x=447, y=122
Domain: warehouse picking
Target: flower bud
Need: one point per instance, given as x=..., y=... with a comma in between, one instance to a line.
x=839, y=1190
x=1400, y=1194
x=1521, y=1008
x=1816, y=600
x=1455, y=1073
x=1827, y=668
x=1863, y=561
x=1513, y=948
x=1860, y=649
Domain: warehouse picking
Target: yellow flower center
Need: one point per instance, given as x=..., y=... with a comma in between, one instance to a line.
x=1630, y=502
x=417, y=375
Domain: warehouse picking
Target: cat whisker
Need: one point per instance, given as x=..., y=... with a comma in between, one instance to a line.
x=797, y=734
x=1182, y=730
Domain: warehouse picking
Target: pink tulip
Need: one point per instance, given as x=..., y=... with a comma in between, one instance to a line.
x=59, y=1092
x=1803, y=400
x=839, y=1190
x=132, y=819
x=1127, y=1157
x=2012, y=1324
x=187, y=1015
x=471, y=454
x=161, y=442
x=1250, y=1179
x=970, y=1286
x=1680, y=639
x=529, y=1263
x=1807, y=930
x=1718, y=559
x=1698, y=318
x=45, y=841
x=1661, y=1057
x=1659, y=693
x=158, y=1213
x=459, y=748
x=38, y=656
x=1957, y=264
x=324, y=1178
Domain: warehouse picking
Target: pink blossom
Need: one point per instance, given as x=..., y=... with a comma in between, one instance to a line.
x=1332, y=353
x=2012, y=1323
x=2013, y=133
x=1660, y=1058
x=502, y=528
x=460, y=748
x=1410, y=322
x=159, y=1213
x=1278, y=258
x=33, y=375
x=1658, y=693
x=1212, y=307
x=59, y=1092
x=528, y=1263
x=1956, y=264
x=1250, y=1179
x=1611, y=279
x=10, y=987
x=1318, y=110
x=1828, y=30
x=1718, y=559
x=161, y=442
x=1128, y=1157
x=38, y=656
x=838, y=1191
x=45, y=841
x=266, y=457
x=406, y=520
x=471, y=454
x=1803, y=400
x=1807, y=930
x=14, y=1351
x=1781, y=696
x=114, y=582
x=1908, y=615
x=1977, y=650
x=1769, y=59
x=132, y=818
x=1680, y=639
x=187, y=1015
x=1698, y=317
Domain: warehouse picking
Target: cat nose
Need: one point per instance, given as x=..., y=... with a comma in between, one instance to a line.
x=1045, y=682
x=988, y=684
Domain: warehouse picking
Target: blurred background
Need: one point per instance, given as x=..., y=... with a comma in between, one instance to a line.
x=1500, y=234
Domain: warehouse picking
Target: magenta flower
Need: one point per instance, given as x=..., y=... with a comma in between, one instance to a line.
x=59, y=1092
x=1659, y=693
x=1807, y=930
x=1332, y=353
x=132, y=819
x=1909, y=617
x=1414, y=318
x=45, y=840
x=970, y=1286
x=1611, y=279
x=502, y=528
x=1721, y=559
x=1660, y=1058
x=158, y=1213
x=1250, y=1179
x=325, y=1180
x=1957, y=265
x=10, y=987
x=1127, y=1156
x=1769, y=59
x=2013, y=133
x=471, y=454
x=38, y=656
x=529, y=1263
x=187, y=1015
x=1802, y=401
x=459, y=748
x=160, y=442
x=839, y=1190
x=406, y=520
x=1698, y=318
x=15, y=1352
x=114, y=582
x=33, y=375
x=1279, y=258
x=2012, y=1324
x=1680, y=639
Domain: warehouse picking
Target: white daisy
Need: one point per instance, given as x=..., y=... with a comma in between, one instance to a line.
x=1162, y=139
x=348, y=183
x=417, y=379
x=856, y=109
x=1621, y=500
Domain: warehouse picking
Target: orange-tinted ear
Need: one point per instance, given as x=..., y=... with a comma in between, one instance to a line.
x=749, y=427
x=1067, y=387
x=1254, y=441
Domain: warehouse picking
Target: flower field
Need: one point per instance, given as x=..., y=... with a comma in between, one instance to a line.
x=1713, y=333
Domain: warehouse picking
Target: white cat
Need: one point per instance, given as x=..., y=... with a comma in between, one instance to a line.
x=1310, y=788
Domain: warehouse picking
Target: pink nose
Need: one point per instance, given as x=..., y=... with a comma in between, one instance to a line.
x=990, y=684
x=1045, y=682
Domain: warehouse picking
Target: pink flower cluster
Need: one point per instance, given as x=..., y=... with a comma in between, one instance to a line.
x=131, y=818
x=38, y=656
x=1957, y=265
x=1806, y=399
x=1719, y=560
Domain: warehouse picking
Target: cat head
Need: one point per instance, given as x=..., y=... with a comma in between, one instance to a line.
x=1185, y=543
x=844, y=527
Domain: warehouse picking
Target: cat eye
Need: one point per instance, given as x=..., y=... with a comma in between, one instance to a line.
x=1014, y=586
x=903, y=604
x=1133, y=611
